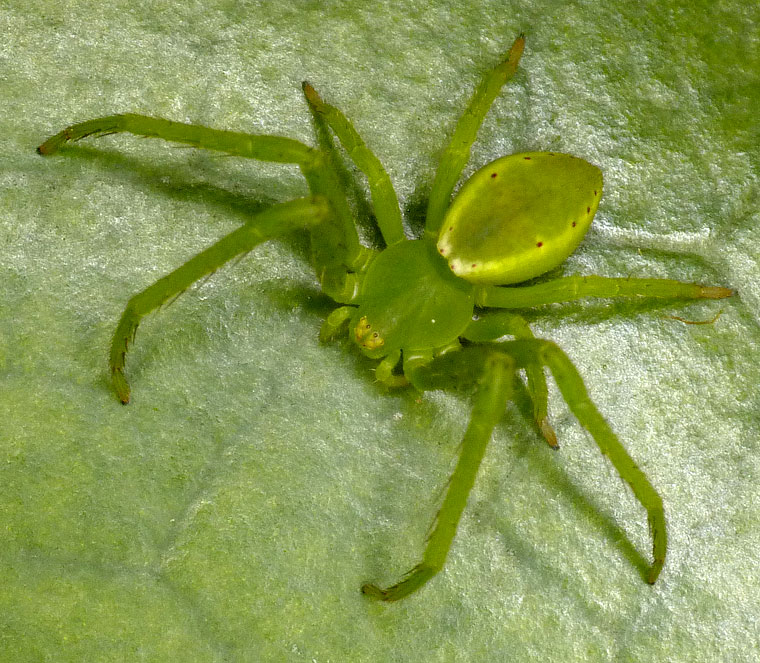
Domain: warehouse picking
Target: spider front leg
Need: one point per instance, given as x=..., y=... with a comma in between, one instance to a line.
x=274, y=222
x=457, y=152
x=334, y=253
x=387, y=210
x=493, y=392
x=546, y=353
x=264, y=148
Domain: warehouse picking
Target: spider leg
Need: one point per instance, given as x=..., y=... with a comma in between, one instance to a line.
x=570, y=288
x=273, y=222
x=457, y=153
x=387, y=211
x=493, y=391
x=335, y=249
x=574, y=392
x=491, y=327
x=264, y=148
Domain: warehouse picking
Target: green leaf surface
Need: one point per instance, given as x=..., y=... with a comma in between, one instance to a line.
x=233, y=510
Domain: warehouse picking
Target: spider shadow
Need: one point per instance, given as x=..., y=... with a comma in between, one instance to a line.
x=532, y=448
x=181, y=182
x=535, y=559
x=543, y=467
x=593, y=312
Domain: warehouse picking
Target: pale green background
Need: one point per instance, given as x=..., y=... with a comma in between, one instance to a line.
x=233, y=510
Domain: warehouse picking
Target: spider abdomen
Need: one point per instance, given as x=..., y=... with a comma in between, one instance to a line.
x=519, y=216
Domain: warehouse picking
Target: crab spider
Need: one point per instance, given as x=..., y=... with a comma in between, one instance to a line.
x=411, y=305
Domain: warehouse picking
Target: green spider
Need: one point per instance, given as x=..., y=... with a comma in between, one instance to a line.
x=432, y=311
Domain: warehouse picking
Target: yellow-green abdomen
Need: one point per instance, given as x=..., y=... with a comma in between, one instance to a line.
x=519, y=216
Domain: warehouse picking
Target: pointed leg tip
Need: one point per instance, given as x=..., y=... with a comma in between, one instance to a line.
x=517, y=47
x=716, y=292
x=654, y=571
x=412, y=581
x=47, y=148
x=311, y=94
x=120, y=386
x=548, y=432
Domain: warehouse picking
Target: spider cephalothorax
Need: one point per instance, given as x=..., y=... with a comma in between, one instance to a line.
x=411, y=305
